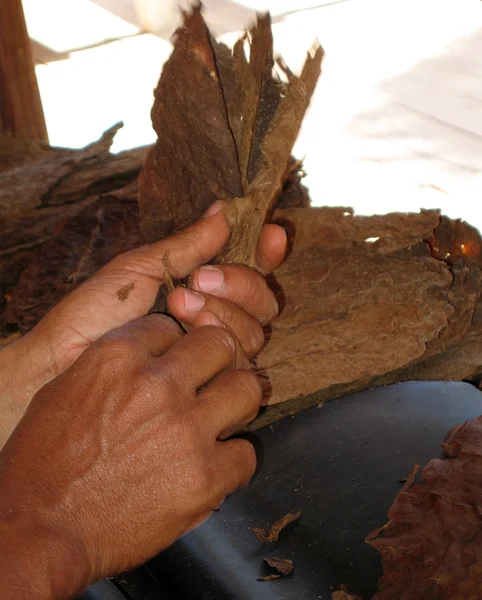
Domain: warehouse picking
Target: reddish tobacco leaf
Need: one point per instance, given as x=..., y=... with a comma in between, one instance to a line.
x=432, y=545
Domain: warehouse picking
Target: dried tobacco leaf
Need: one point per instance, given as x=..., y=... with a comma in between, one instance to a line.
x=194, y=161
x=272, y=535
x=63, y=215
x=283, y=565
x=362, y=298
x=319, y=339
x=432, y=546
x=226, y=125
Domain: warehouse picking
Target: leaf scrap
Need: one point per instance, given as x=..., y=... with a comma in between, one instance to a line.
x=283, y=565
x=226, y=124
x=269, y=577
x=273, y=533
x=124, y=291
x=168, y=273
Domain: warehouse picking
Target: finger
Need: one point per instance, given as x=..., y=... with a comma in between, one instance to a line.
x=230, y=401
x=271, y=248
x=152, y=335
x=242, y=285
x=201, y=355
x=236, y=464
x=189, y=307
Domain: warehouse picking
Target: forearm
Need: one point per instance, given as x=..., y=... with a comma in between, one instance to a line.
x=25, y=367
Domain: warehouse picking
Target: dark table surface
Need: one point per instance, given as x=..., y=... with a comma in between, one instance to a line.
x=341, y=465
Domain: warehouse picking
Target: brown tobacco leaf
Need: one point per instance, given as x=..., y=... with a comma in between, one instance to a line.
x=365, y=301
x=343, y=594
x=226, y=125
x=364, y=297
x=283, y=565
x=269, y=577
x=432, y=546
x=273, y=534
x=194, y=161
x=63, y=215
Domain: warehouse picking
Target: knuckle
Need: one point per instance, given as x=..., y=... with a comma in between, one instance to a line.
x=256, y=292
x=251, y=460
x=251, y=387
x=118, y=347
x=192, y=237
x=205, y=475
x=221, y=339
x=159, y=382
x=251, y=284
x=246, y=457
x=273, y=309
x=166, y=325
x=201, y=476
x=256, y=341
x=127, y=260
x=142, y=260
x=189, y=433
x=170, y=374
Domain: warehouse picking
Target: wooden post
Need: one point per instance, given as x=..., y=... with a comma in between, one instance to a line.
x=21, y=112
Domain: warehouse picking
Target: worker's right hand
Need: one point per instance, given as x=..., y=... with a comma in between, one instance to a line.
x=121, y=454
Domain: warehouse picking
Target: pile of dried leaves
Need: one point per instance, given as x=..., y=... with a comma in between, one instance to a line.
x=355, y=313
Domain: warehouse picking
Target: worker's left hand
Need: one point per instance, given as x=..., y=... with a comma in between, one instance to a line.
x=127, y=287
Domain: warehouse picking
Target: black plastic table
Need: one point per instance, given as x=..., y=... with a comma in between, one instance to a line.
x=341, y=465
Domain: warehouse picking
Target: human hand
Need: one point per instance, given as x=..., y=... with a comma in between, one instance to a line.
x=121, y=454
x=126, y=289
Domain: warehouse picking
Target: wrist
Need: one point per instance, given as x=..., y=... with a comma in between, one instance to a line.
x=26, y=365
x=32, y=358
x=37, y=562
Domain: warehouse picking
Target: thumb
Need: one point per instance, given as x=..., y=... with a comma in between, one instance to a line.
x=186, y=250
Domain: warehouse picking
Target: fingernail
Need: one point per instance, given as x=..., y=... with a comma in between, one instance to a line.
x=193, y=301
x=209, y=280
x=212, y=210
